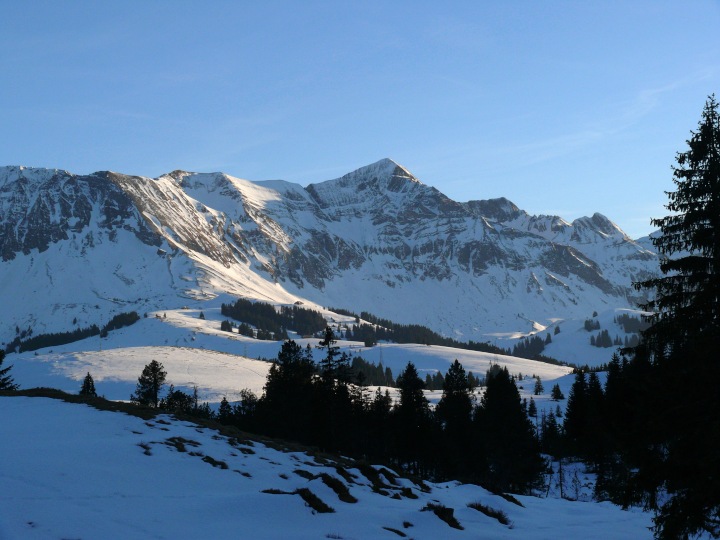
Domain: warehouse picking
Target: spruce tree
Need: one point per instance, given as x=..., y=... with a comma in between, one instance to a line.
x=244, y=413
x=532, y=409
x=411, y=417
x=682, y=346
x=508, y=441
x=455, y=405
x=454, y=410
x=539, y=388
x=576, y=413
x=686, y=304
x=594, y=445
x=329, y=366
x=6, y=380
x=284, y=409
x=88, y=386
x=379, y=429
x=152, y=379
x=225, y=411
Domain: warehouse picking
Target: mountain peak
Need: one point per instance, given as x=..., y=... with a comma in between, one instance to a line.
x=385, y=168
x=600, y=224
x=379, y=179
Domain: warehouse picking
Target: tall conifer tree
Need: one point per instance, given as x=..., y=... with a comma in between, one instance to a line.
x=412, y=416
x=455, y=413
x=149, y=383
x=682, y=346
x=88, y=386
x=507, y=436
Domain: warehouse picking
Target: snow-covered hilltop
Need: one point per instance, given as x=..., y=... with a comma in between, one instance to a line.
x=377, y=239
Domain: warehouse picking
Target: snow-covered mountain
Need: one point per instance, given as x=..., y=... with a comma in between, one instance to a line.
x=79, y=248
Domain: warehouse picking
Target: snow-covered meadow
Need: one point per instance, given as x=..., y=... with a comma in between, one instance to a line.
x=71, y=471
x=195, y=352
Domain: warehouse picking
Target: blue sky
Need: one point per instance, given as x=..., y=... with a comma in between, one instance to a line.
x=565, y=108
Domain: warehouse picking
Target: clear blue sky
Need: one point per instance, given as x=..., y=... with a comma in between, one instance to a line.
x=565, y=108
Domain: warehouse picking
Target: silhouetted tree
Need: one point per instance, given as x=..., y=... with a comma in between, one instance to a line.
x=151, y=380
x=225, y=411
x=682, y=345
x=510, y=447
x=411, y=415
x=285, y=407
x=576, y=413
x=532, y=408
x=245, y=410
x=88, y=386
x=454, y=411
x=177, y=401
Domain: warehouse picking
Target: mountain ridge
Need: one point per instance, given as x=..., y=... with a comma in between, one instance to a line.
x=376, y=239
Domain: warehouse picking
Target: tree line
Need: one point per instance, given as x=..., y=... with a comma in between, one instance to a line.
x=41, y=341
x=266, y=318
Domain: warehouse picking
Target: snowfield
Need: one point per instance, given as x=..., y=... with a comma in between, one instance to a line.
x=71, y=471
x=195, y=352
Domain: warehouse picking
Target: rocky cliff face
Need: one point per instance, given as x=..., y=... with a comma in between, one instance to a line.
x=376, y=239
x=40, y=207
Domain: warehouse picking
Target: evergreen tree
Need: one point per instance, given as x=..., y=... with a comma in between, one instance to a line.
x=556, y=394
x=284, y=408
x=332, y=407
x=245, y=410
x=682, y=344
x=6, y=380
x=329, y=365
x=539, y=388
x=411, y=415
x=454, y=411
x=594, y=433
x=532, y=409
x=152, y=379
x=576, y=412
x=177, y=401
x=88, y=387
x=225, y=411
x=379, y=430
x=507, y=436
x=550, y=439
x=389, y=381
x=226, y=326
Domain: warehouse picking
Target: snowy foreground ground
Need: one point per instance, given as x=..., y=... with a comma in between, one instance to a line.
x=71, y=471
